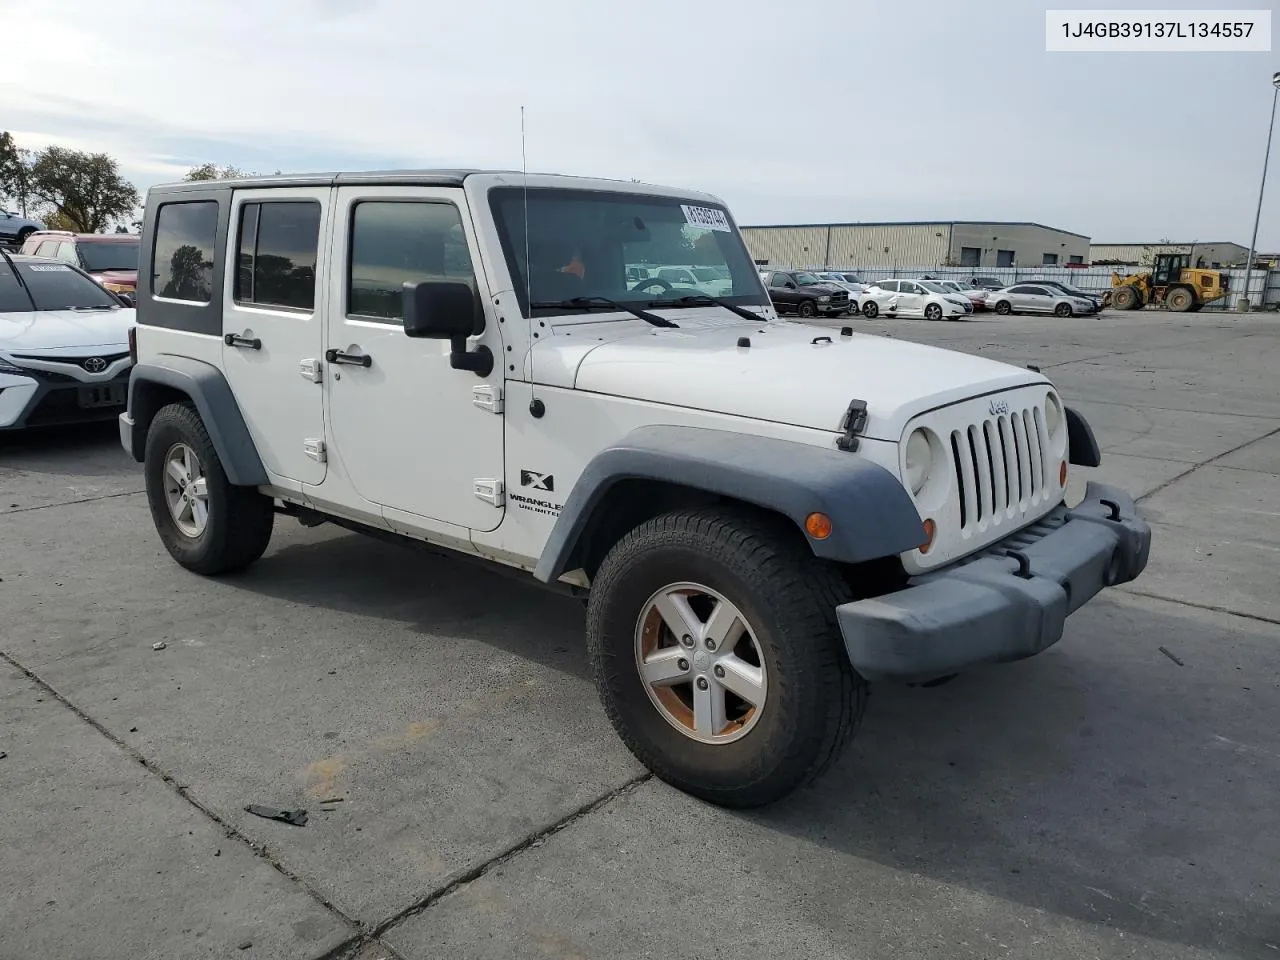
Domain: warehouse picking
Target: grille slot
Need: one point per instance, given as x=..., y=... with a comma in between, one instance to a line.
x=1000, y=467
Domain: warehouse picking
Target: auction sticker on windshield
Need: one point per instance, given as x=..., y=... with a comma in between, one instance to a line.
x=49, y=268
x=708, y=217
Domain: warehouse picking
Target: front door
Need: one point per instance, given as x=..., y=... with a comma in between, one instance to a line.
x=911, y=297
x=273, y=318
x=407, y=427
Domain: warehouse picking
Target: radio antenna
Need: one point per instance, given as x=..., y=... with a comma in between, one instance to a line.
x=535, y=405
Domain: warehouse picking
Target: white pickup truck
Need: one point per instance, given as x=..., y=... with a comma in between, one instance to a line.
x=762, y=517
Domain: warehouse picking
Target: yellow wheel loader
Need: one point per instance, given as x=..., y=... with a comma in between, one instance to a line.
x=1173, y=284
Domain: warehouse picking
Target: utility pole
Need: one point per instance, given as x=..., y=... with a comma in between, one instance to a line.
x=1243, y=300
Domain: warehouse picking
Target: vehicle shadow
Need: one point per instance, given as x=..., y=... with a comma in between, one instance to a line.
x=1097, y=781
x=96, y=447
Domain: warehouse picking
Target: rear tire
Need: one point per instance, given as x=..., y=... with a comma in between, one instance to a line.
x=1180, y=299
x=1004, y=308
x=1125, y=298
x=810, y=698
x=207, y=524
x=871, y=309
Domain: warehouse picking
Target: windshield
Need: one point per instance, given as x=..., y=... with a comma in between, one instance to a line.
x=807, y=279
x=109, y=256
x=934, y=287
x=962, y=285
x=53, y=286
x=587, y=243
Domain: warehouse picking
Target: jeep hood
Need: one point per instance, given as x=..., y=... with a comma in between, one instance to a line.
x=791, y=373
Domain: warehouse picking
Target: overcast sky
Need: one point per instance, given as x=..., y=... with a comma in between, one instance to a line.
x=805, y=111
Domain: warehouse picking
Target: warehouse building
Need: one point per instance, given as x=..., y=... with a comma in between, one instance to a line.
x=1208, y=255
x=960, y=243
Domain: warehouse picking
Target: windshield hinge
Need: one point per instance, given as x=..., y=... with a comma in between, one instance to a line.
x=855, y=421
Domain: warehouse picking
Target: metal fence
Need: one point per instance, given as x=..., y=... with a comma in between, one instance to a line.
x=1264, y=286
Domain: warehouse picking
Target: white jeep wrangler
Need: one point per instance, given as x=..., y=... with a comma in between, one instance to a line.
x=762, y=516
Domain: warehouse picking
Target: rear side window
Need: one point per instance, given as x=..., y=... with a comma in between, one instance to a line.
x=47, y=249
x=277, y=253
x=182, y=260
x=397, y=241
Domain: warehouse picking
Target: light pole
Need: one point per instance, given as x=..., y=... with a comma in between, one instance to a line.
x=1243, y=300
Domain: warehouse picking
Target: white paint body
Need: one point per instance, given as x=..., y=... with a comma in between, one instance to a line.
x=443, y=455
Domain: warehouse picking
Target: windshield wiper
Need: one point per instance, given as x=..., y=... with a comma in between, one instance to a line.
x=603, y=303
x=704, y=298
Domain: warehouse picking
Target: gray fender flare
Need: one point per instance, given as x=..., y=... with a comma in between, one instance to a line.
x=1082, y=445
x=871, y=514
x=214, y=401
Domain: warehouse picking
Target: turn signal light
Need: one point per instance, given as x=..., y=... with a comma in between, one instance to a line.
x=818, y=525
x=1062, y=474
x=930, y=531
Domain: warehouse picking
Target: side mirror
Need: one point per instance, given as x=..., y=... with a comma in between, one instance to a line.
x=447, y=310
x=790, y=285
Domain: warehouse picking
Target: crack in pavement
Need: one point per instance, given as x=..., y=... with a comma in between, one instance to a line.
x=1206, y=463
x=68, y=503
x=229, y=830
x=1126, y=353
x=1211, y=608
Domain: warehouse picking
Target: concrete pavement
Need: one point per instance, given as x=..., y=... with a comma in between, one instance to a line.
x=1099, y=800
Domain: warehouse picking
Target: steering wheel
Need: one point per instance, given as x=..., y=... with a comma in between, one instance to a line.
x=651, y=282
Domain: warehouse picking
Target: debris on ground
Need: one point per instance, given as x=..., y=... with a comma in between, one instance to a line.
x=244, y=945
x=333, y=800
x=3, y=754
x=159, y=645
x=297, y=817
x=1165, y=651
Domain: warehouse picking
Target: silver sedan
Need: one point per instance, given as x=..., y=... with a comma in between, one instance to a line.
x=1029, y=298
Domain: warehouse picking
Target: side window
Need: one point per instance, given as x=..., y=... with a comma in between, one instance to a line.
x=67, y=252
x=778, y=280
x=182, y=258
x=393, y=241
x=1020, y=289
x=907, y=287
x=276, y=253
x=1038, y=291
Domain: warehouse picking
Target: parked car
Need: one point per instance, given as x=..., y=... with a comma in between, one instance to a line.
x=805, y=294
x=64, y=345
x=988, y=283
x=761, y=517
x=15, y=228
x=976, y=296
x=912, y=298
x=110, y=258
x=1032, y=298
x=1070, y=291
x=850, y=281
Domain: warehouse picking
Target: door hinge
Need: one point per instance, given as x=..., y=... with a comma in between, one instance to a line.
x=315, y=450
x=490, y=491
x=487, y=397
x=310, y=369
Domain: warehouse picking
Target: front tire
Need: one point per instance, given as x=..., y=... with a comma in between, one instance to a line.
x=932, y=312
x=207, y=524
x=684, y=706
x=1063, y=310
x=1003, y=308
x=806, y=309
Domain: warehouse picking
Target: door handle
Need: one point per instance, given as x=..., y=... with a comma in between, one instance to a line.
x=337, y=356
x=235, y=340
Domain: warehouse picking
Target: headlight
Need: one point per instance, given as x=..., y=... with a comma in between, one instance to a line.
x=1052, y=414
x=919, y=458
x=824, y=299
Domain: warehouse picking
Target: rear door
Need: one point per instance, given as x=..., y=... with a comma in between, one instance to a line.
x=273, y=324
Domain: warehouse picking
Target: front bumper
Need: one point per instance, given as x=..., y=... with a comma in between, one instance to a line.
x=46, y=400
x=1005, y=603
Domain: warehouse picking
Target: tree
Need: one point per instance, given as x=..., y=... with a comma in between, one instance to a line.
x=211, y=171
x=58, y=221
x=85, y=189
x=15, y=171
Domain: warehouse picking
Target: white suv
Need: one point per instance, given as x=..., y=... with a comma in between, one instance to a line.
x=762, y=516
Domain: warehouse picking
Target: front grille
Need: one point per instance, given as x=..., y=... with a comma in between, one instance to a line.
x=107, y=358
x=1000, y=465
x=841, y=297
